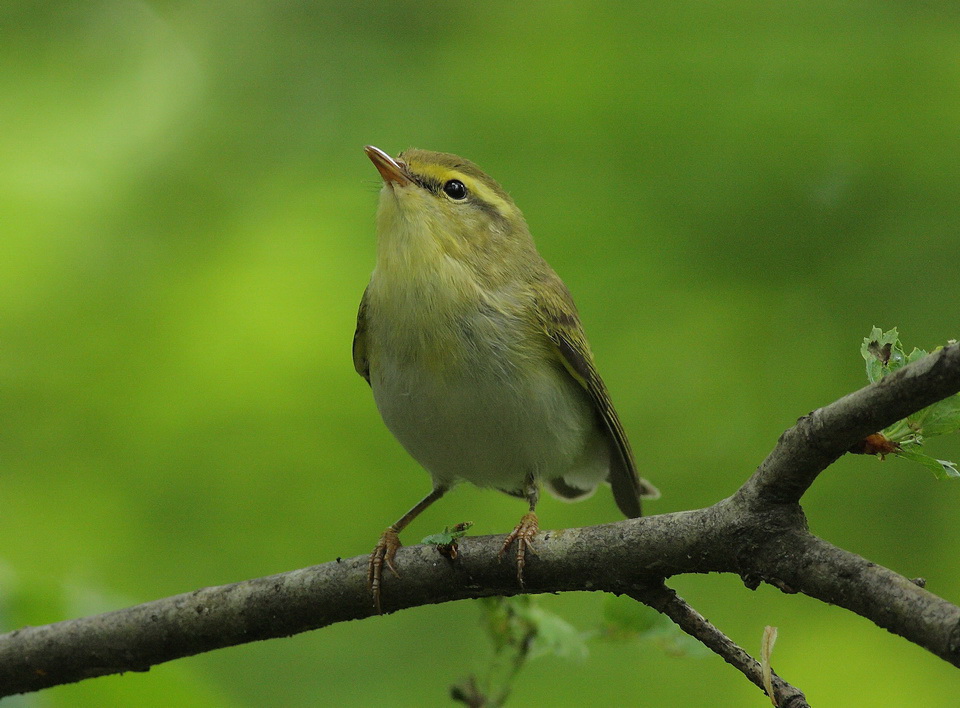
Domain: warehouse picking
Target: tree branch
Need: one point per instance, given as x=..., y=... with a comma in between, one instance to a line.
x=819, y=438
x=759, y=533
x=619, y=558
x=665, y=600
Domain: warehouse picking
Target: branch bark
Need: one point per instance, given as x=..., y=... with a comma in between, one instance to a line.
x=759, y=533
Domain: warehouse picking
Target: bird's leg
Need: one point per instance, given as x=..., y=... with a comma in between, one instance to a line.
x=526, y=530
x=389, y=543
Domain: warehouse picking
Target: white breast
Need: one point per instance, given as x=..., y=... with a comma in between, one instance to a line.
x=464, y=409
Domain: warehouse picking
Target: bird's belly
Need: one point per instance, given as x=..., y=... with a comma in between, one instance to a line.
x=489, y=424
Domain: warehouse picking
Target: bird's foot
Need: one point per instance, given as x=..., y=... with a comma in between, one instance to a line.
x=524, y=535
x=382, y=555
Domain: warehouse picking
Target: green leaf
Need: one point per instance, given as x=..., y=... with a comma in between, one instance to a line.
x=940, y=418
x=520, y=622
x=624, y=617
x=882, y=353
x=942, y=469
x=449, y=535
x=554, y=635
x=915, y=355
x=495, y=618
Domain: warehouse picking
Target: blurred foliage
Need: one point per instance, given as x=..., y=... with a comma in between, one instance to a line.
x=187, y=226
x=518, y=629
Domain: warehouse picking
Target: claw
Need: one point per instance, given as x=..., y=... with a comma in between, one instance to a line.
x=524, y=535
x=384, y=553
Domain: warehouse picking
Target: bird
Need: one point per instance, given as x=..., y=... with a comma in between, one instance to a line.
x=474, y=350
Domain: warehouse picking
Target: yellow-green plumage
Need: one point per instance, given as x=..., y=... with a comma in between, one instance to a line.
x=473, y=347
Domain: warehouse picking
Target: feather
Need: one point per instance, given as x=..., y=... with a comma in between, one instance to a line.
x=558, y=316
x=360, y=361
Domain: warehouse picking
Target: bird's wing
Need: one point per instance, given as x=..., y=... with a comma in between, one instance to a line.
x=360, y=362
x=558, y=315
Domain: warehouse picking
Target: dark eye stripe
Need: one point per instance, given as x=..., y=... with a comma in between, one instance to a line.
x=431, y=185
x=435, y=186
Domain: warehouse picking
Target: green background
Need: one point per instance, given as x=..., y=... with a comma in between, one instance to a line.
x=734, y=192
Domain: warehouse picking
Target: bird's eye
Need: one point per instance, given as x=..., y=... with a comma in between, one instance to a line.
x=455, y=189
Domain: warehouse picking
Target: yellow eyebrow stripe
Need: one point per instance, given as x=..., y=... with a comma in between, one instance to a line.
x=474, y=185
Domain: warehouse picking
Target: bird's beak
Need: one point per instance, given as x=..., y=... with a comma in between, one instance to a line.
x=389, y=169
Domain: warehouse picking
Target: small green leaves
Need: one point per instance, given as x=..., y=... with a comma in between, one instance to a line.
x=939, y=419
x=446, y=541
x=448, y=536
x=521, y=621
x=554, y=635
x=519, y=629
x=884, y=354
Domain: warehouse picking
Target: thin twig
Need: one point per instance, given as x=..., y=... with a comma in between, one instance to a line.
x=663, y=599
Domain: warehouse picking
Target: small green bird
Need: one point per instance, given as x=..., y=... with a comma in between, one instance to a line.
x=475, y=353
